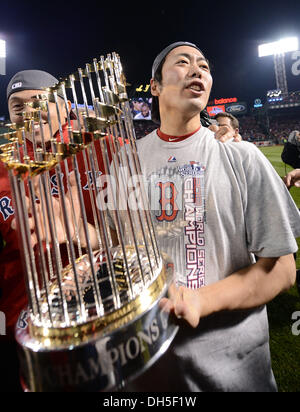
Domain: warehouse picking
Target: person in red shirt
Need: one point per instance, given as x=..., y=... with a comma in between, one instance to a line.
x=13, y=299
x=23, y=88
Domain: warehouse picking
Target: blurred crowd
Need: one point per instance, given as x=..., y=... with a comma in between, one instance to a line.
x=280, y=128
x=251, y=129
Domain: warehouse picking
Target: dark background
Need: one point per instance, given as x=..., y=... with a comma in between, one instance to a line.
x=61, y=36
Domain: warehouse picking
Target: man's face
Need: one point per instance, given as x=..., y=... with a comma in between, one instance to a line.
x=137, y=106
x=225, y=121
x=145, y=110
x=16, y=107
x=186, y=82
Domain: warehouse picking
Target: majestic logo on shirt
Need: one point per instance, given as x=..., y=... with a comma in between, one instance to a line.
x=172, y=159
x=5, y=207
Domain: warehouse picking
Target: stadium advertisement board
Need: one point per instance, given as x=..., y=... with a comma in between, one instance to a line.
x=213, y=110
x=236, y=108
x=225, y=100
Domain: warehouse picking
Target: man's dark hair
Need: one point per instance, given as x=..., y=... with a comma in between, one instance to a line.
x=233, y=120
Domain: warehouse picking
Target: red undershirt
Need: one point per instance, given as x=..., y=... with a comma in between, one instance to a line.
x=174, y=139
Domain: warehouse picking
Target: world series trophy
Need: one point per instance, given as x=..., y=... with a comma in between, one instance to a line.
x=93, y=321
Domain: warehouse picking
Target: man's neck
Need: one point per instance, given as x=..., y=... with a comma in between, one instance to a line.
x=179, y=125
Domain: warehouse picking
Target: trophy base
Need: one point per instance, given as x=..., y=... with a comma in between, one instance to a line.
x=104, y=359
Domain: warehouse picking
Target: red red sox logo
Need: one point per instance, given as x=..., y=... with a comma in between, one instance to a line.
x=168, y=195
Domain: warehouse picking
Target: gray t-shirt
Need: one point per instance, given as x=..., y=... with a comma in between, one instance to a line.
x=215, y=205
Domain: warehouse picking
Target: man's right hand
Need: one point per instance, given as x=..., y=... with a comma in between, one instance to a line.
x=184, y=303
x=292, y=178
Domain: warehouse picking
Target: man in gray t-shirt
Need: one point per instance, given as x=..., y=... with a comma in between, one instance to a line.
x=214, y=205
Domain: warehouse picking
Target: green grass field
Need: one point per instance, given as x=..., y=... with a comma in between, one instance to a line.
x=285, y=347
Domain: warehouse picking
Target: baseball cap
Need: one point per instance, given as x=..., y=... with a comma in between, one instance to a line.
x=31, y=80
x=159, y=58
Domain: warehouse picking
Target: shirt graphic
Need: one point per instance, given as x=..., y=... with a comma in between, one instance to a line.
x=178, y=202
x=5, y=207
x=194, y=230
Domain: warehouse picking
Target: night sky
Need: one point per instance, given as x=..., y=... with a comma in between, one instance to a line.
x=61, y=36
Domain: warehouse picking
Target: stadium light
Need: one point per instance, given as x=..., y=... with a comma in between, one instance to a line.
x=278, y=47
x=2, y=56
